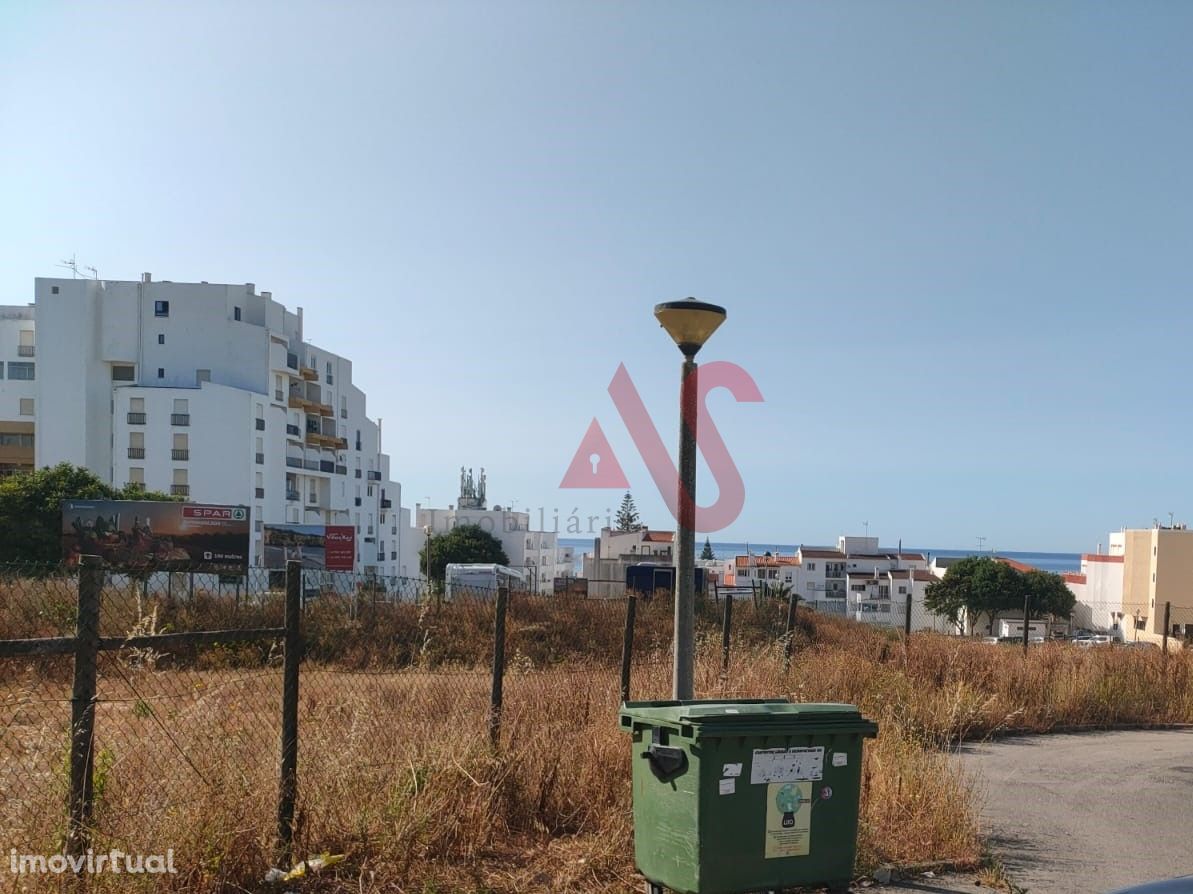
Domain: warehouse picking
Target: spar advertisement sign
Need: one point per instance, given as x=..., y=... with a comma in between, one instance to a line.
x=326, y=547
x=145, y=535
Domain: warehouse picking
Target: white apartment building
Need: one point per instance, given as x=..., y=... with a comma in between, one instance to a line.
x=858, y=579
x=536, y=553
x=212, y=392
x=18, y=388
x=615, y=551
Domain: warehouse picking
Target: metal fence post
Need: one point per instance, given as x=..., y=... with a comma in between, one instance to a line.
x=1167, y=627
x=498, y=667
x=82, y=710
x=907, y=620
x=726, y=624
x=627, y=645
x=288, y=786
x=789, y=645
x=1026, y=626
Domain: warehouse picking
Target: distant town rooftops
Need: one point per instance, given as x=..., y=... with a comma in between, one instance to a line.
x=820, y=552
x=766, y=561
x=1018, y=566
x=1099, y=557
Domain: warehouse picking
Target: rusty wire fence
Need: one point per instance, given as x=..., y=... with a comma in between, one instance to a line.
x=269, y=713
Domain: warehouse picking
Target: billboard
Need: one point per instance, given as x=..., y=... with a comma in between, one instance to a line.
x=148, y=535
x=330, y=547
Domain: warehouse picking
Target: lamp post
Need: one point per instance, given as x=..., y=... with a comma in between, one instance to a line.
x=689, y=323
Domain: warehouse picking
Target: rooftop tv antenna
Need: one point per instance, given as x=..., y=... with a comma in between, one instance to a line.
x=981, y=543
x=72, y=265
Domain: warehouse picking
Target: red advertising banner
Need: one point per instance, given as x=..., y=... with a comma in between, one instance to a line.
x=339, y=547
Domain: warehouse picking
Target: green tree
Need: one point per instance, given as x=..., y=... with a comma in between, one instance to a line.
x=462, y=544
x=31, y=509
x=627, y=515
x=981, y=585
x=1049, y=595
x=707, y=552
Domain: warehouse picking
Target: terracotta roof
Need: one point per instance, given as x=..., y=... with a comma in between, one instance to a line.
x=821, y=553
x=925, y=575
x=1098, y=557
x=658, y=536
x=1018, y=566
x=752, y=560
x=1072, y=578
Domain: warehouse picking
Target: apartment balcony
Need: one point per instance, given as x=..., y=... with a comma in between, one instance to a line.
x=308, y=373
x=180, y=490
x=326, y=410
x=325, y=466
x=298, y=402
x=293, y=496
x=25, y=350
x=341, y=443
x=341, y=470
x=136, y=418
x=260, y=424
x=259, y=493
x=387, y=504
x=180, y=418
x=293, y=431
x=374, y=476
x=136, y=452
x=178, y=454
x=311, y=465
x=291, y=361
x=294, y=462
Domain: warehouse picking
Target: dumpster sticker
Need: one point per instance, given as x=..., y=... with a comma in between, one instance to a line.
x=788, y=819
x=731, y=770
x=840, y=758
x=786, y=765
x=727, y=786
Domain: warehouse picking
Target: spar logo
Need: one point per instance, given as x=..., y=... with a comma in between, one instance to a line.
x=216, y=513
x=596, y=466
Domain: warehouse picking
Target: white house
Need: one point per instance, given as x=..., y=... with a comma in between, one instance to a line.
x=212, y=392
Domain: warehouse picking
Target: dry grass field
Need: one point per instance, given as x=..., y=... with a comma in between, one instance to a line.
x=395, y=768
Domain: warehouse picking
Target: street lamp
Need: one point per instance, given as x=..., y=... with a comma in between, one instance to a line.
x=690, y=323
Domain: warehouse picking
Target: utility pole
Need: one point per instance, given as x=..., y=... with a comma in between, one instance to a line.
x=981, y=543
x=1026, y=626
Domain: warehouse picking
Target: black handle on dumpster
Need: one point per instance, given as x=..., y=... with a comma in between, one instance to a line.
x=665, y=760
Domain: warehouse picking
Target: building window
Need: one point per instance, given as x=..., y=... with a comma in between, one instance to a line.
x=53, y=290
x=26, y=406
x=902, y=589
x=136, y=474
x=811, y=566
x=161, y=338
x=236, y=313
x=161, y=308
x=161, y=372
x=123, y=373
x=21, y=371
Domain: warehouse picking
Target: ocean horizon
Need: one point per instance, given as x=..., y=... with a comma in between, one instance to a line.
x=1054, y=562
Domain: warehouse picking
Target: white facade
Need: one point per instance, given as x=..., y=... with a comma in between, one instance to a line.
x=535, y=553
x=1099, y=590
x=18, y=389
x=211, y=392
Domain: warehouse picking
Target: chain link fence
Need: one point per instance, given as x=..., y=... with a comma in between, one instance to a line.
x=239, y=721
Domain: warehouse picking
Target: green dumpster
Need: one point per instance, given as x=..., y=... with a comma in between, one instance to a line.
x=746, y=795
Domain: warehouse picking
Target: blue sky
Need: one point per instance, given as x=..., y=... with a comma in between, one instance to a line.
x=953, y=239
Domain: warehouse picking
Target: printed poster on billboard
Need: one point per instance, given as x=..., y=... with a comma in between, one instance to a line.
x=324, y=547
x=146, y=535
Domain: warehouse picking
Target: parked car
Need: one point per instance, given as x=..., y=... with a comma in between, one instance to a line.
x=1182, y=885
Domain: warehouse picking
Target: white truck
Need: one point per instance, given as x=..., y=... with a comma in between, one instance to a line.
x=478, y=580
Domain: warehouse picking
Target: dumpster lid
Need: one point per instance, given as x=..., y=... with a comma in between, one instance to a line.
x=738, y=711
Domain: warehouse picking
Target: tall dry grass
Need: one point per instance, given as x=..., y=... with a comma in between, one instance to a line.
x=395, y=768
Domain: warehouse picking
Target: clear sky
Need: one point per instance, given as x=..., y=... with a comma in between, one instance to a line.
x=954, y=239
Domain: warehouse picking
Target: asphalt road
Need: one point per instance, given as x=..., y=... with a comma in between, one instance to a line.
x=1089, y=812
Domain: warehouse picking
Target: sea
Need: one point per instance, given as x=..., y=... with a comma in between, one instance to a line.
x=1055, y=562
